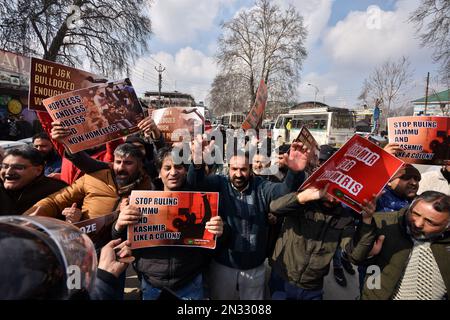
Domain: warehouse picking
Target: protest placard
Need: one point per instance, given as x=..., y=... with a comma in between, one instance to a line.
x=50, y=79
x=355, y=172
x=177, y=122
x=424, y=139
x=97, y=114
x=254, y=118
x=98, y=229
x=173, y=219
x=307, y=139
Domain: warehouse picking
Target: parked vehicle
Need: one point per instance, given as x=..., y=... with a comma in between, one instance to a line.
x=328, y=125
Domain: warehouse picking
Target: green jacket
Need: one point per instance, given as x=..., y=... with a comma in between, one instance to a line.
x=395, y=253
x=308, y=240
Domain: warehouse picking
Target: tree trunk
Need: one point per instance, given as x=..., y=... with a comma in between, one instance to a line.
x=252, y=90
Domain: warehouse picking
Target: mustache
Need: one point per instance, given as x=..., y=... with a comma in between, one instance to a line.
x=12, y=176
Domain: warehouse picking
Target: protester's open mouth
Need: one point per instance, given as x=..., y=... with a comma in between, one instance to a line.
x=122, y=175
x=11, y=178
x=413, y=189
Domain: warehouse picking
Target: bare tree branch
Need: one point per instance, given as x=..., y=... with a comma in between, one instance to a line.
x=109, y=34
x=261, y=42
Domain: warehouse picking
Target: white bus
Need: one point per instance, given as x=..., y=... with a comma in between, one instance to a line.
x=232, y=120
x=328, y=125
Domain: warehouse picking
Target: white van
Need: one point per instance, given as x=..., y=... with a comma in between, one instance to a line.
x=328, y=125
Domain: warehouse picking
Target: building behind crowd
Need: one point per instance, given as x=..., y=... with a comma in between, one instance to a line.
x=438, y=104
x=14, y=87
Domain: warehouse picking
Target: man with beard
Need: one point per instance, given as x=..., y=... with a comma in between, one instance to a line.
x=43, y=144
x=238, y=269
x=315, y=224
x=282, y=167
x=413, y=260
x=399, y=193
x=22, y=180
x=100, y=190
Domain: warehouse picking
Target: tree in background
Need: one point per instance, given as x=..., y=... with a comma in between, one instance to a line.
x=104, y=34
x=386, y=82
x=432, y=19
x=262, y=42
x=227, y=94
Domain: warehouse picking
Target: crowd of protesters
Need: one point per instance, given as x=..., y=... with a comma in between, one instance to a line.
x=273, y=241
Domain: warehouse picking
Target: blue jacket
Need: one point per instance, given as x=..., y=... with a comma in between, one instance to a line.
x=389, y=201
x=53, y=164
x=244, y=242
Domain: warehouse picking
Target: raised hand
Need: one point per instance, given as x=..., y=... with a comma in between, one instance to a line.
x=312, y=194
x=298, y=157
x=369, y=207
x=59, y=132
x=129, y=215
x=392, y=148
x=215, y=226
x=377, y=246
x=72, y=214
x=115, y=257
x=149, y=128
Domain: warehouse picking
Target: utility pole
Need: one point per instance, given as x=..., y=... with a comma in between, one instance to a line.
x=315, y=95
x=160, y=70
x=426, y=94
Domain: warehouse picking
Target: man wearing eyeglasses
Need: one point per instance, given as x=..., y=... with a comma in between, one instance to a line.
x=23, y=182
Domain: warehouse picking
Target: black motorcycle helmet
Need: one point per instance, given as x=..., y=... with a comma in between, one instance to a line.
x=44, y=258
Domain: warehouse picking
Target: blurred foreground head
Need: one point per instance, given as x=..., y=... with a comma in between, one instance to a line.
x=44, y=258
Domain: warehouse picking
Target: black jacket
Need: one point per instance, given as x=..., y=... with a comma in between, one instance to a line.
x=166, y=266
x=17, y=202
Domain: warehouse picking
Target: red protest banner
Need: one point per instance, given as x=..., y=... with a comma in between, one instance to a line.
x=50, y=79
x=254, y=118
x=424, y=140
x=355, y=172
x=173, y=219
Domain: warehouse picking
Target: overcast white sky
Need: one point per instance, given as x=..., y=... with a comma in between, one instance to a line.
x=346, y=40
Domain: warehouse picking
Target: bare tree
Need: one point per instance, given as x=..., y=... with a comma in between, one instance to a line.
x=386, y=83
x=364, y=94
x=264, y=43
x=432, y=19
x=228, y=94
x=105, y=34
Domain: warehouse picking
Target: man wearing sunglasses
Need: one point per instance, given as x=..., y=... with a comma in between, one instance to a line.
x=22, y=180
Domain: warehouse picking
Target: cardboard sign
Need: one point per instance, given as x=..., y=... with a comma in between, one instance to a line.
x=176, y=122
x=50, y=79
x=96, y=115
x=98, y=229
x=355, y=172
x=173, y=219
x=254, y=118
x=424, y=139
x=307, y=139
